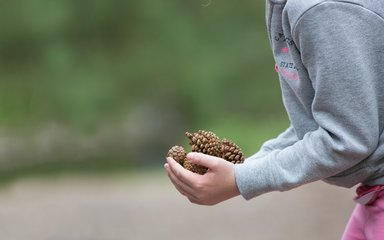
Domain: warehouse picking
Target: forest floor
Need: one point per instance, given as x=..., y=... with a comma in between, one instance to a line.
x=147, y=207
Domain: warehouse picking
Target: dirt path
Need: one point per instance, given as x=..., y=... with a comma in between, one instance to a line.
x=147, y=207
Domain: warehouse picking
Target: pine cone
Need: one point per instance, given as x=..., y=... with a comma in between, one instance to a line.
x=204, y=142
x=231, y=152
x=194, y=167
x=178, y=153
x=208, y=143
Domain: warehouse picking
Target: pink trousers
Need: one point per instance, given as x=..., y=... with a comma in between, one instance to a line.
x=367, y=221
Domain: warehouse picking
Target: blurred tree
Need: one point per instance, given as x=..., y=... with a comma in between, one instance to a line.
x=174, y=64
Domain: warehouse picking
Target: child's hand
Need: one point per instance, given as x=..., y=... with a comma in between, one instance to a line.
x=217, y=185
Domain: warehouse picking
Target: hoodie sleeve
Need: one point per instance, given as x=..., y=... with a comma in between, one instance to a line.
x=283, y=140
x=341, y=47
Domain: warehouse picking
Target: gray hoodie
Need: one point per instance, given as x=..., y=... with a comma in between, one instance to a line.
x=330, y=60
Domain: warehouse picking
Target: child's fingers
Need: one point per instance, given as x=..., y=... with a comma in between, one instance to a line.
x=182, y=174
x=171, y=177
x=205, y=160
x=181, y=187
x=176, y=173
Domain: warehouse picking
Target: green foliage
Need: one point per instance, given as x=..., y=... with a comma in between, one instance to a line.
x=83, y=64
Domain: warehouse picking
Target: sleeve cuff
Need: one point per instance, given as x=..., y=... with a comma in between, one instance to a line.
x=254, y=178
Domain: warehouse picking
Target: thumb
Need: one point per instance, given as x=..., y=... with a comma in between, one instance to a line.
x=205, y=160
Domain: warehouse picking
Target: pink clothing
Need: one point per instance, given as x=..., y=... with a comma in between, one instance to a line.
x=367, y=220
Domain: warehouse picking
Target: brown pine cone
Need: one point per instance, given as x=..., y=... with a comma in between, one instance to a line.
x=204, y=142
x=178, y=153
x=231, y=152
x=208, y=143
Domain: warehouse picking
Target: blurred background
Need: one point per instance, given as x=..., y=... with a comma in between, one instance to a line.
x=114, y=84
x=94, y=93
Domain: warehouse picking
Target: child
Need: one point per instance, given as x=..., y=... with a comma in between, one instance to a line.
x=330, y=59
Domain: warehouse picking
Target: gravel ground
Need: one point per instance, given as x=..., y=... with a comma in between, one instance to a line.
x=148, y=207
